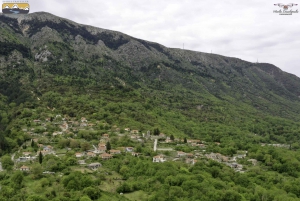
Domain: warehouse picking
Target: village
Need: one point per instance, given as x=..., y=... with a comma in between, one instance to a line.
x=165, y=147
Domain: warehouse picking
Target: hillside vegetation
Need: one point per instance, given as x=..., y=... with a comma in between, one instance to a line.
x=54, y=70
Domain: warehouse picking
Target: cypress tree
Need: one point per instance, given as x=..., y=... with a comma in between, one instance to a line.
x=40, y=157
x=108, y=146
x=172, y=137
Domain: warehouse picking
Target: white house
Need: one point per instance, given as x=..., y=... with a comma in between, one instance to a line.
x=159, y=159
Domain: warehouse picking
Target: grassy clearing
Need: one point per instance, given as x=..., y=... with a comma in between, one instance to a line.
x=137, y=196
x=82, y=169
x=111, y=185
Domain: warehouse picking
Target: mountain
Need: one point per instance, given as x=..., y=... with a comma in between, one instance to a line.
x=42, y=53
x=232, y=125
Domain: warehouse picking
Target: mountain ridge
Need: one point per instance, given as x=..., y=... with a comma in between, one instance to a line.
x=61, y=47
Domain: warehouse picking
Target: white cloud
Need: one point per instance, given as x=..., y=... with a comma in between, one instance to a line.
x=243, y=29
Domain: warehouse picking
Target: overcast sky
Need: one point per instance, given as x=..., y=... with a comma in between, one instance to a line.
x=248, y=30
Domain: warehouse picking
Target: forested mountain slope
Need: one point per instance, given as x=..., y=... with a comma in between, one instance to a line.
x=48, y=61
x=70, y=94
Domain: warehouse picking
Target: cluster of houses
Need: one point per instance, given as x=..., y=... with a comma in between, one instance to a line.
x=64, y=123
x=229, y=161
x=102, y=151
x=191, y=158
x=30, y=156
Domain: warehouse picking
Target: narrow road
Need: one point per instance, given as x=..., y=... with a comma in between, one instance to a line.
x=13, y=157
x=95, y=147
x=164, y=149
x=155, y=145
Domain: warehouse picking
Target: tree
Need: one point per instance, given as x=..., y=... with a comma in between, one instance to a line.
x=7, y=163
x=35, y=198
x=156, y=131
x=74, y=144
x=64, y=143
x=231, y=195
x=3, y=143
x=17, y=179
x=71, y=161
x=44, y=182
x=124, y=188
x=52, y=164
x=85, y=146
x=36, y=170
x=7, y=192
x=40, y=157
x=139, y=149
x=32, y=143
x=108, y=146
x=92, y=192
x=172, y=137
x=175, y=191
x=85, y=198
x=185, y=140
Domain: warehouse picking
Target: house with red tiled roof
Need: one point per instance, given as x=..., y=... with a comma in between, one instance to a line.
x=161, y=135
x=91, y=154
x=134, y=131
x=190, y=155
x=181, y=154
x=113, y=152
x=78, y=155
x=91, y=125
x=168, y=140
x=159, y=159
x=102, y=147
x=43, y=152
x=24, y=168
x=27, y=153
x=106, y=156
x=133, y=136
x=83, y=120
x=35, y=139
x=105, y=136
